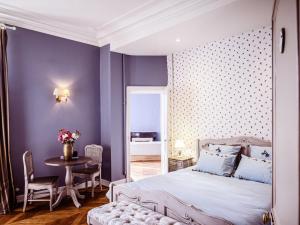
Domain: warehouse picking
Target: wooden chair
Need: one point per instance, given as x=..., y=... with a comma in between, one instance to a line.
x=36, y=183
x=93, y=168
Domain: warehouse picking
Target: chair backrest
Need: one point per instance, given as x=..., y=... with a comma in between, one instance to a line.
x=95, y=153
x=28, y=166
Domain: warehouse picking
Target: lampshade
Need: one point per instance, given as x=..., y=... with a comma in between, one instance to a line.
x=66, y=92
x=179, y=144
x=61, y=95
x=56, y=92
x=61, y=92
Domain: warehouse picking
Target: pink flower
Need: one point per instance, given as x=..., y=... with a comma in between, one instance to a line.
x=66, y=136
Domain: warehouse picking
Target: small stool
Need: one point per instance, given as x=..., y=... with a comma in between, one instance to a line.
x=124, y=212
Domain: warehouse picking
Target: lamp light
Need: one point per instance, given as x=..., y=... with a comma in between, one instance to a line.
x=61, y=95
x=179, y=146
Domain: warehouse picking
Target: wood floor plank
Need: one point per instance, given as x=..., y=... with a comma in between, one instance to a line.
x=143, y=169
x=65, y=214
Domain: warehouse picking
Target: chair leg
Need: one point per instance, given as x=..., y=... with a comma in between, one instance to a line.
x=51, y=198
x=31, y=196
x=25, y=198
x=86, y=184
x=93, y=185
x=56, y=190
x=100, y=180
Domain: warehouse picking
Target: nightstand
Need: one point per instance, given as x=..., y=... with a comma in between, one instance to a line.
x=176, y=163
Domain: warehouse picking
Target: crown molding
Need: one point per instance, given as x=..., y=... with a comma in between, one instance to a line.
x=153, y=17
x=37, y=22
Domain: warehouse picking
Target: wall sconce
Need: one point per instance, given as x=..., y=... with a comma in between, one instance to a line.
x=61, y=95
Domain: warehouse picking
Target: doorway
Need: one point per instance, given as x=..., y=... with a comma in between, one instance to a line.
x=146, y=132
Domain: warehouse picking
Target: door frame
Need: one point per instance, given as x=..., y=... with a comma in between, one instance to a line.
x=285, y=207
x=162, y=91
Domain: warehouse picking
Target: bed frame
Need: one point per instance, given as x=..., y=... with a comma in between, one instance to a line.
x=166, y=204
x=171, y=206
x=243, y=141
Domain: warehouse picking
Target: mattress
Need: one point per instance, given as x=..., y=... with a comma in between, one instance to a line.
x=239, y=201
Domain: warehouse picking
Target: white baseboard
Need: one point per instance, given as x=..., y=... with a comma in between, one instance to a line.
x=117, y=182
x=45, y=193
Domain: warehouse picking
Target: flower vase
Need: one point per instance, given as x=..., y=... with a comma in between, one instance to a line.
x=68, y=152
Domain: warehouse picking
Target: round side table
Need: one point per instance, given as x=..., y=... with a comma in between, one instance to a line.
x=68, y=190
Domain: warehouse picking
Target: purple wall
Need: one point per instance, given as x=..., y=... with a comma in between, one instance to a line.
x=105, y=114
x=139, y=71
x=117, y=148
x=146, y=70
x=37, y=64
x=145, y=113
x=111, y=92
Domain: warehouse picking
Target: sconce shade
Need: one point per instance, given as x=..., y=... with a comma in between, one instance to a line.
x=61, y=95
x=179, y=144
x=66, y=93
x=55, y=92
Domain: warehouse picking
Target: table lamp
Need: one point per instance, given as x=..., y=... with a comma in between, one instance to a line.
x=179, y=146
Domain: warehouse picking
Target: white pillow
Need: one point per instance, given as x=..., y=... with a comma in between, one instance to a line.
x=254, y=169
x=261, y=152
x=215, y=163
x=224, y=149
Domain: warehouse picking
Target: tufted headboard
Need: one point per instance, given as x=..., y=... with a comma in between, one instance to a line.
x=243, y=141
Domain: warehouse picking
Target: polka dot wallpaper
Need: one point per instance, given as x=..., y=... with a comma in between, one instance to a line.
x=222, y=89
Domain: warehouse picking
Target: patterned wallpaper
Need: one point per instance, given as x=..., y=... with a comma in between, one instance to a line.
x=222, y=89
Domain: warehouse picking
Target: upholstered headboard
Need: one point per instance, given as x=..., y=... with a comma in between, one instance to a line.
x=243, y=141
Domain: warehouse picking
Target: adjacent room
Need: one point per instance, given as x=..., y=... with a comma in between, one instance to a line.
x=145, y=143
x=152, y=112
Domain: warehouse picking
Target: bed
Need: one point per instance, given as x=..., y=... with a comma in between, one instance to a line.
x=145, y=147
x=200, y=198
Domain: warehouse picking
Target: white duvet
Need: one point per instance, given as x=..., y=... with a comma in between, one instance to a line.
x=241, y=202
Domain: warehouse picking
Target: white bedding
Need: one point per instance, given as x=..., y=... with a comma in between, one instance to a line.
x=241, y=202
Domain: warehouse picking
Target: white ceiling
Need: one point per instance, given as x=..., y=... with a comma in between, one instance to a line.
x=139, y=27
x=235, y=18
x=90, y=13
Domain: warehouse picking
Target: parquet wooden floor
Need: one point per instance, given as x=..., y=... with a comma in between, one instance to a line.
x=65, y=214
x=143, y=169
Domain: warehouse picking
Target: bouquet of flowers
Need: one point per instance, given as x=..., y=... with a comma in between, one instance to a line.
x=67, y=137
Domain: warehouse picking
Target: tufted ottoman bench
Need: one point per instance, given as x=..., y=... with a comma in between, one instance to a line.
x=123, y=212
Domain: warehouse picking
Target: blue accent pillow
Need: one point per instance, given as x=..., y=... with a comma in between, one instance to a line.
x=261, y=152
x=215, y=163
x=224, y=149
x=259, y=170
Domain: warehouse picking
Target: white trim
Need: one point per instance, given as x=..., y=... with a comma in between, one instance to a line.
x=146, y=89
x=45, y=193
x=275, y=218
x=162, y=91
x=117, y=182
x=142, y=21
x=128, y=121
x=37, y=22
x=164, y=131
x=152, y=18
